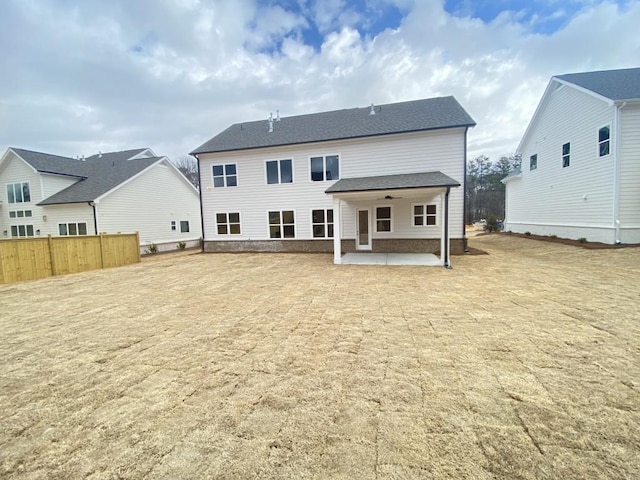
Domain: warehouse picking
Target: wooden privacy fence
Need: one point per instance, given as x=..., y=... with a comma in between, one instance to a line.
x=33, y=258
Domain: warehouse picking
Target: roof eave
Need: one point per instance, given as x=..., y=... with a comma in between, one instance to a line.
x=200, y=152
x=444, y=185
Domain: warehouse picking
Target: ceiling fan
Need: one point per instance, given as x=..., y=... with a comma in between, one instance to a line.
x=389, y=197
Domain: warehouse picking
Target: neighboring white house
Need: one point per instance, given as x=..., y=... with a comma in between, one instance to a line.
x=128, y=191
x=580, y=173
x=386, y=178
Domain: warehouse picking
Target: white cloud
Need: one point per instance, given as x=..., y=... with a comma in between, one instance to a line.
x=114, y=75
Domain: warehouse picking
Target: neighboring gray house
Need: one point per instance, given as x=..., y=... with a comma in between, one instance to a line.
x=127, y=191
x=385, y=178
x=580, y=173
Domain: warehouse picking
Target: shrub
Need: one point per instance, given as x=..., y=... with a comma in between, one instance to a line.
x=582, y=240
x=182, y=245
x=553, y=236
x=151, y=249
x=527, y=233
x=493, y=225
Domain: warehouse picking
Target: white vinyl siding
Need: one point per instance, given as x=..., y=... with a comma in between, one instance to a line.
x=55, y=183
x=441, y=150
x=630, y=173
x=150, y=202
x=552, y=195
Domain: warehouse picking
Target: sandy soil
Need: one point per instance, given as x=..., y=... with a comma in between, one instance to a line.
x=524, y=363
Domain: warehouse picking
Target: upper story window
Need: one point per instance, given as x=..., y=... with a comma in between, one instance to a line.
x=18, y=192
x=325, y=168
x=533, y=161
x=225, y=175
x=425, y=215
x=322, y=223
x=280, y=171
x=566, y=155
x=604, y=141
x=20, y=213
x=173, y=225
x=72, y=228
x=184, y=226
x=383, y=219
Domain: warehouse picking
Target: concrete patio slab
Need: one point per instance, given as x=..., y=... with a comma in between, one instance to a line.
x=420, y=259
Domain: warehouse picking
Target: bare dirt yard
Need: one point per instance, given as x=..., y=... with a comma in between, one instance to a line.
x=524, y=363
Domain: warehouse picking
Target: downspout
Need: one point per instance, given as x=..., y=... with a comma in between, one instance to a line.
x=447, y=263
x=616, y=175
x=95, y=217
x=200, y=195
x=464, y=197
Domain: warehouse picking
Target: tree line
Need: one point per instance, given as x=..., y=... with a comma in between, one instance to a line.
x=485, y=193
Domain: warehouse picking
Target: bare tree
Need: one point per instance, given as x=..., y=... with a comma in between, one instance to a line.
x=189, y=168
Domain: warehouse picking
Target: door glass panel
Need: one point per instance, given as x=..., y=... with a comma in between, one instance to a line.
x=363, y=227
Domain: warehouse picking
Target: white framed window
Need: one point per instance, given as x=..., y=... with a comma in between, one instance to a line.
x=324, y=168
x=20, y=213
x=424, y=215
x=228, y=223
x=383, y=218
x=72, y=228
x=533, y=162
x=322, y=223
x=282, y=224
x=566, y=154
x=18, y=192
x=184, y=226
x=225, y=175
x=604, y=141
x=21, y=231
x=279, y=171
x=173, y=225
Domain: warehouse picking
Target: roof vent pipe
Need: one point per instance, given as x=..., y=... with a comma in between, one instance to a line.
x=99, y=154
x=271, y=122
x=277, y=115
x=373, y=110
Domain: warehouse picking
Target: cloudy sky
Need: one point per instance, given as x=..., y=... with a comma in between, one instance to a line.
x=87, y=75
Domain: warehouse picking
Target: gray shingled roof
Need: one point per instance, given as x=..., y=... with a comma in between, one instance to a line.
x=418, y=115
x=393, y=182
x=47, y=163
x=616, y=85
x=97, y=174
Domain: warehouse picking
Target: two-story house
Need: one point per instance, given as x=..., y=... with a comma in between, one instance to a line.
x=580, y=173
x=126, y=192
x=385, y=178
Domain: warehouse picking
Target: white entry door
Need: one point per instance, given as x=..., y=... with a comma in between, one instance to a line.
x=363, y=229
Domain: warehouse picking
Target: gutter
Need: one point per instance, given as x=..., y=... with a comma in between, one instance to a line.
x=200, y=195
x=95, y=217
x=447, y=263
x=616, y=168
x=464, y=198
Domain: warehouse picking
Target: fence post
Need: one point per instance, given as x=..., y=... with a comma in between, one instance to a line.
x=52, y=256
x=101, y=252
x=138, y=244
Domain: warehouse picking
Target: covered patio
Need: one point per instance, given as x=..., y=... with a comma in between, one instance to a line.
x=398, y=213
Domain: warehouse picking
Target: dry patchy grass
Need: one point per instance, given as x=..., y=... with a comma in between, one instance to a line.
x=523, y=363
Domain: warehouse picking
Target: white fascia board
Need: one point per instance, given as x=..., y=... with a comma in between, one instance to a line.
x=11, y=150
x=608, y=101
x=143, y=154
x=184, y=179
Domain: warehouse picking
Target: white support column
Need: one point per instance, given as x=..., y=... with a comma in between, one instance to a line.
x=337, y=232
x=442, y=232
